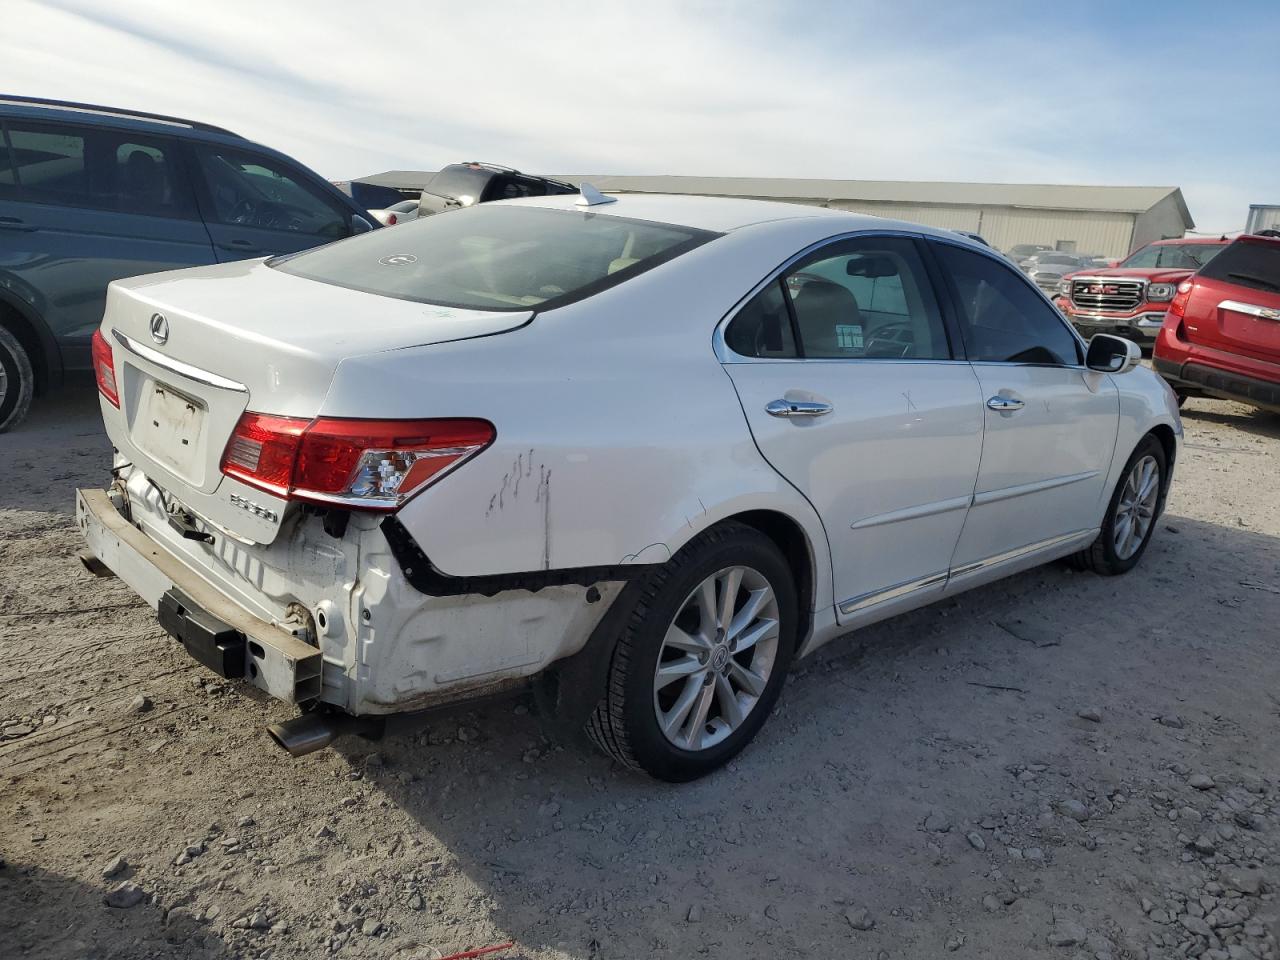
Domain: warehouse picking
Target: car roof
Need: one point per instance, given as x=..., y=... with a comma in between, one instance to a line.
x=717, y=214
x=37, y=108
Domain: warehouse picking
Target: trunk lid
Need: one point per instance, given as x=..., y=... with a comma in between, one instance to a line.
x=1234, y=304
x=194, y=349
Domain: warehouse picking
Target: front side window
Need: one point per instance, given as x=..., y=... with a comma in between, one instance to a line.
x=249, y=190
x=1002, y=317
x=99, y=169
x=497, y=257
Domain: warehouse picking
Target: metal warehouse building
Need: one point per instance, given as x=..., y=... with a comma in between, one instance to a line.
x=1110, y=221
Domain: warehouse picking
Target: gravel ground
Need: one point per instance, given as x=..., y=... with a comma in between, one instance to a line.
x=1058, y=765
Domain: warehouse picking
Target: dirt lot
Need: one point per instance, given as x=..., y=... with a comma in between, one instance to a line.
x=1055, y=766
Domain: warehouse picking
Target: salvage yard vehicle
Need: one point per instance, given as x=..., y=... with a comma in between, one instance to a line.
x=89, y=194
x=641, y=452
x=1132, y=298
x=463, y=184
x=1222, y=335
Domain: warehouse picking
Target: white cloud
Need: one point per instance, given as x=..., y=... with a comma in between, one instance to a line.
x=757, y=89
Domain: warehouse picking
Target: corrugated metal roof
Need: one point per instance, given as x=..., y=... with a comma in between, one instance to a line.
x=1040, y=196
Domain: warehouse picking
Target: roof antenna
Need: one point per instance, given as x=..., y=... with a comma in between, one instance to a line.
x=591, y=196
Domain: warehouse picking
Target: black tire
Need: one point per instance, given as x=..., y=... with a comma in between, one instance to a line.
x=1101, y=556
x=17, y=381
x=624, y=724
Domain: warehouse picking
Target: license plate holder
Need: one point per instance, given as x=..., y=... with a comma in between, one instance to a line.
x=211, y=641
x=170, y=428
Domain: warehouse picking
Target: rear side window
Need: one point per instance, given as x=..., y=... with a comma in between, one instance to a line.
x=99, y=169
x=867, y=298
x=497, y=257
x=1002, y=317
x=1248, y=263
x=371, y=196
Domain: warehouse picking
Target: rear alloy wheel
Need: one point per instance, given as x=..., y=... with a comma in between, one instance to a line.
x=17, y=381
x=701, y=661
x=1132, y=513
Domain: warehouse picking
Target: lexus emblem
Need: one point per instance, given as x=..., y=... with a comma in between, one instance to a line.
x=398, y=260
x=159, y=328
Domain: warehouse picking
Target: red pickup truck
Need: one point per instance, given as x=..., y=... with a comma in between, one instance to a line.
x=1131, y=298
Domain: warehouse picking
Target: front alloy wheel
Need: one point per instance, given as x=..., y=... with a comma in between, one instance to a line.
x=1131, y=514
x=702, y=656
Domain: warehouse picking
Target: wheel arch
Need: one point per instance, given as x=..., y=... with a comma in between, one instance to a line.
x=42, y=349
x=791, y=540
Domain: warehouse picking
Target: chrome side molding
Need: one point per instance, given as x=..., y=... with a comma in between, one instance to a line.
x=899, y=590
x=1250, y=309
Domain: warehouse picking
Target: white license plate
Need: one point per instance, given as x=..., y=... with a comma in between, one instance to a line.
x=170, y=428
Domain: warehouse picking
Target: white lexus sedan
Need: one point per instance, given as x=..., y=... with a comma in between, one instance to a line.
x=639, y=453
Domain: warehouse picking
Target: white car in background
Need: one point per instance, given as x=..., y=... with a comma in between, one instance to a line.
x=645, y=451
x=401, y=212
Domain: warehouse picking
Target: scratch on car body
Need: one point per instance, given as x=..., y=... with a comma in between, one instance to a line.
x=544, y=497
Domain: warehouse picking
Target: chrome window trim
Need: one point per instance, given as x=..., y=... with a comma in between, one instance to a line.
x=1250, y=309
x=177, y=366
x=725, y=355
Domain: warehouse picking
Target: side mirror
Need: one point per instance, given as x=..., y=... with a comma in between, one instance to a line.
x=1108, y=354
x=359, y=224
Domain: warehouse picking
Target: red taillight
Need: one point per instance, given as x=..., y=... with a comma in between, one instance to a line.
x=367, y=464
x=104, y=369
x=1178, y=305
x=391, y=220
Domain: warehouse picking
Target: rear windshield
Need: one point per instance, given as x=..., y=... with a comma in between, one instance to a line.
x=1248, y=263
x=496, y=257
x=1177, y=256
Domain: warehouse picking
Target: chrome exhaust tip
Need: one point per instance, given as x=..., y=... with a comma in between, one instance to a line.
x=310, y=732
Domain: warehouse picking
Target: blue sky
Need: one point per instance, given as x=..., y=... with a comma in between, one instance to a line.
x=1172, y=93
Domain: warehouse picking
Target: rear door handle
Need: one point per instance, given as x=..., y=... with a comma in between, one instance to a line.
x=13, y=223
x=246, y=245
x=1004, y=404
x=797, y=408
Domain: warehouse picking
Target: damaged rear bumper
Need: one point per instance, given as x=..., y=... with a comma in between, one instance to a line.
x=213, y=629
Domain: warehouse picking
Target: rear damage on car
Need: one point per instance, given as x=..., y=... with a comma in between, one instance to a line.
x=257, y=526
x=288, y=435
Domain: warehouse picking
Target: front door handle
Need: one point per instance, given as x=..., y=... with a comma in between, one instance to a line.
x=797, y=408
x=1004, y=404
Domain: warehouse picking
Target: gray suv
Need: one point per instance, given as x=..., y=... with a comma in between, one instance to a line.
x=89, y=194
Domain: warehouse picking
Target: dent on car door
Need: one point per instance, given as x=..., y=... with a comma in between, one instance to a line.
x=1050, y=423
x=89, y=205
x=256, y=206
x=846, y=373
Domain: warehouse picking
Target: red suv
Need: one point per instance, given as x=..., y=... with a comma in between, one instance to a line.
x=1222, y=335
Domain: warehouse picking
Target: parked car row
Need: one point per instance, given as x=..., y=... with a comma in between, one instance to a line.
x=1131, y=298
